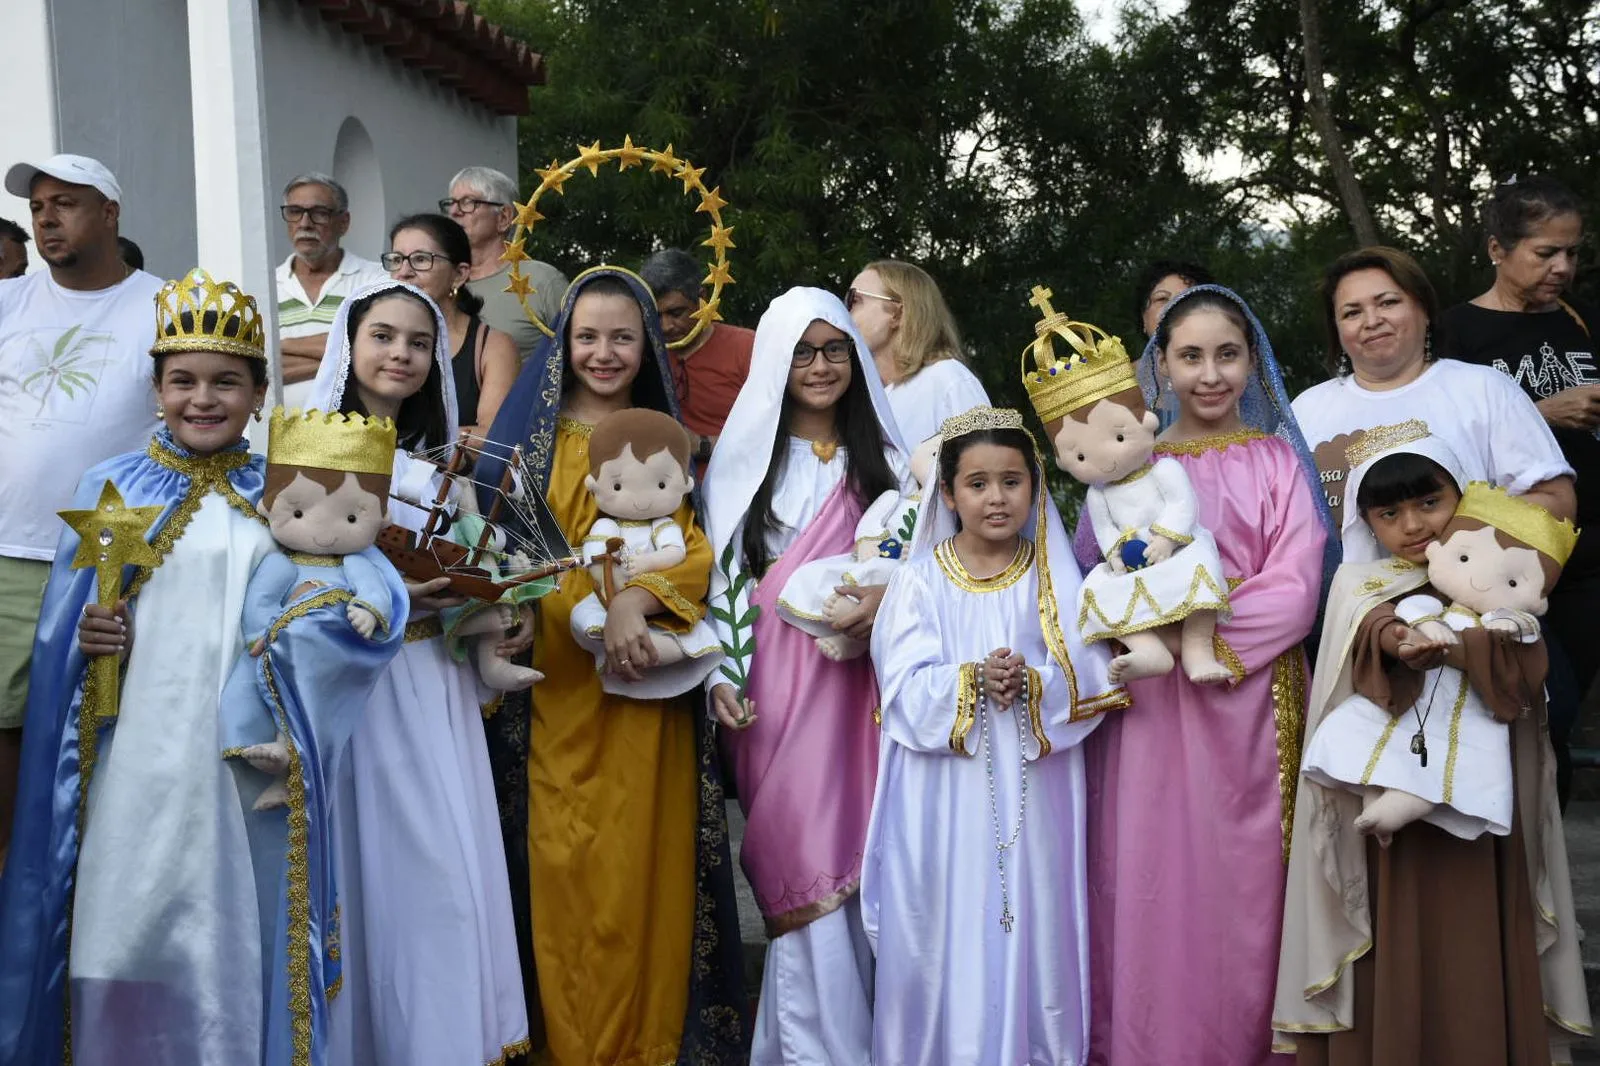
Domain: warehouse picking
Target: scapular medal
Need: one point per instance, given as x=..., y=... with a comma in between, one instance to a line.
x=1419, y=747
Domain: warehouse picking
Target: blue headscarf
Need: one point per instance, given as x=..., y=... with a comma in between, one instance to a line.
x=1264, y=406
x=528, y=414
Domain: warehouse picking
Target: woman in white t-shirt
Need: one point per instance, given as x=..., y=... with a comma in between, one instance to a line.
x=1381, y=309
x=903, y=317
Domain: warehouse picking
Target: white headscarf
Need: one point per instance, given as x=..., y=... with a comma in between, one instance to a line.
x=745, y=445
x=1360, y=545
x=333, y=376
x=1084, y=665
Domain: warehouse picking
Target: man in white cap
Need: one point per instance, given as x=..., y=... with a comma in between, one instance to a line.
x=74, y=389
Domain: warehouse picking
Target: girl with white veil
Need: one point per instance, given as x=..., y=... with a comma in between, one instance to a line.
x=983, y=960
x=430, y=952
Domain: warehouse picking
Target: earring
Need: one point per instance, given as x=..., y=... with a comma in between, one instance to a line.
x=257, y=415
x=453, y=290
x=1427, y=346
x=161, y=412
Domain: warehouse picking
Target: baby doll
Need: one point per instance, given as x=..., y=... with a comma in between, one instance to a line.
x=883, y=537
x=327, y=485
x=1442, y=751
x=639, y=475
x=490, y=623
x=1161, y=572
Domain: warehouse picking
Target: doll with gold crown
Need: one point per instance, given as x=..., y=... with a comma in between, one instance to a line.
x=1439, y=748
x=1160, y=587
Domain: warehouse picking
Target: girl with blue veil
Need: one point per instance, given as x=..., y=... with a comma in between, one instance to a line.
x=612, y=808
x=1192, y=787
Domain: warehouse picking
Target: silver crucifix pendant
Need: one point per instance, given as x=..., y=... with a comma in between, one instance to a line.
x=1006, y=919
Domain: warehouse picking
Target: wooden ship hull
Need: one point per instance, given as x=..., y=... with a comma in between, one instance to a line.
x=424, y=559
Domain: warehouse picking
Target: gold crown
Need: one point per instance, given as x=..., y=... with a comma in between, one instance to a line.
x=220, y=318
x=1519, y=519
x=980, y=418
x=1379, y=439
x=353, y=443
x=1097, y=367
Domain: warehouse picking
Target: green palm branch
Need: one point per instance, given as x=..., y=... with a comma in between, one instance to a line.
x=66, y=368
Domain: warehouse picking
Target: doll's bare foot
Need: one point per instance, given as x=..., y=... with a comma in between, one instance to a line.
x=1147, y=656
x=1196, y=642
x=481, y=622
x=273, y=796
x=268, y=758
x=834, y=606
x=503, y=675
x=840, y=648
x=1385, y=813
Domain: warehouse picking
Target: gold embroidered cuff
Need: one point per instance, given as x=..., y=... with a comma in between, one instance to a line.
x=684, y=611
x=1113, y=700
x=1177, y=538
x=424, y=629
x=966, y=708
x=1227, y=657
x=1035, y=721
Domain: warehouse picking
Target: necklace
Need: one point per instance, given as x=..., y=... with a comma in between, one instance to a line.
x=1419, y=743
x=825, y=449
x=1002, y=846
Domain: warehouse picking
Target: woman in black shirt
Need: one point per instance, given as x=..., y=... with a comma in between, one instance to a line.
x=1525, y=327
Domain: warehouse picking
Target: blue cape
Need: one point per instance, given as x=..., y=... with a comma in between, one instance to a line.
x=36, y=888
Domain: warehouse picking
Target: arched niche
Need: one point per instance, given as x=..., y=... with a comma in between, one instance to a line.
x=355, y=166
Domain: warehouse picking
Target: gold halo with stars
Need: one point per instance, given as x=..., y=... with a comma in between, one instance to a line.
x=553, y=177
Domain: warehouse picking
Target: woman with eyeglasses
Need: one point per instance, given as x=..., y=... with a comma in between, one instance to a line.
x=899, y=310
x=432, y=253
x=810, y=442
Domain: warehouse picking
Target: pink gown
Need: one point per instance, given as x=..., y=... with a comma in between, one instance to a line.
x=1190, y=791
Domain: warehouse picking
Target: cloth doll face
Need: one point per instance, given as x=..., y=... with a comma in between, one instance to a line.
x=306, y=517
x=1473, y=569
x=816, y=381
x=392, y=352
x=625, y=487
x=606, y=342
x=992, y=491
x=1112, y=444
x=206, y=398
x=922, y=460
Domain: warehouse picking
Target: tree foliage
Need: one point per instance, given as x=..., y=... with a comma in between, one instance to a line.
x=1000, y=146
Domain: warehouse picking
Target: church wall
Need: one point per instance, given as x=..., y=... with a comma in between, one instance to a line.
x=119, y=90
x=408, y=138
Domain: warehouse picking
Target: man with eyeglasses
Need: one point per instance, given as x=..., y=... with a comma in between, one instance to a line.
x=482, y=200
x=709, y=373
x=317, y=277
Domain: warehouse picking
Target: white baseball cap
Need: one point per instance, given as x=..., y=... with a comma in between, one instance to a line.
x=72, y=169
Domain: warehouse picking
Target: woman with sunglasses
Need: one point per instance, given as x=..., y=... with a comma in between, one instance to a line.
x=432, y=252
x=899, y=310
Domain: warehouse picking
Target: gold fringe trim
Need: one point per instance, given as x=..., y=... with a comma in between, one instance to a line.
x=1333, y=979
x=966, y=707
x=1115, y=700
x=679, y=605
x=1228, y=657
x=206, y=475
x=308, y=559
x=521, y=1047
x=1569, y=1026
x=801, y=916
x=1180, y=539
x=1035, y=721
x=1200, y=445
x=1377, y=750
x=1204, y=595
x=958, y=575
x=572, y=425
x=423, y=629
x=1455, y=741
x=1289, y=716
x=299, y=610
x=299, y=938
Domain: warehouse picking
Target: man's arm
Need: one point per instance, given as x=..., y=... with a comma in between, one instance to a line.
x=301, y=357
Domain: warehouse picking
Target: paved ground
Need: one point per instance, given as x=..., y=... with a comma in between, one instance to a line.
x=1583, y=843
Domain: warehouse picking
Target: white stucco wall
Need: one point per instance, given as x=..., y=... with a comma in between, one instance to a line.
x=108, y=79
x=410, y=138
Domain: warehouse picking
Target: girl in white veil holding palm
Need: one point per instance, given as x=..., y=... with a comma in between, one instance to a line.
x=431, y=973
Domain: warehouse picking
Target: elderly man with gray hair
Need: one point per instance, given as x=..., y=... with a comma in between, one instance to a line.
x=482, y=200
x=317, y=277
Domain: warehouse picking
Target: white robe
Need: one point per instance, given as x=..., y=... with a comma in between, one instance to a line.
x=883, y=538
x=165, y=921
x=1468, y=775
x=952, y=985
x=431, y=971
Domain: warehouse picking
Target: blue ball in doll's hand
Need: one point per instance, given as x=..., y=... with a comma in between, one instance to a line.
x=890, y=548
x=1133, y=555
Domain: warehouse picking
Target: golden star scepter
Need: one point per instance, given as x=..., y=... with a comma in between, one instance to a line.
x=111, y=536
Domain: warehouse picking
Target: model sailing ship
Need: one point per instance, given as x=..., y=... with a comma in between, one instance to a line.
x=497, y=559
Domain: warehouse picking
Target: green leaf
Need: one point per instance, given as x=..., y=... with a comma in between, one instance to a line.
x=64, y=343
x=749, y=617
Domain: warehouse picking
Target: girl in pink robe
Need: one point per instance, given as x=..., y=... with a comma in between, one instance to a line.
x=1191, y=789
x=809, y=442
